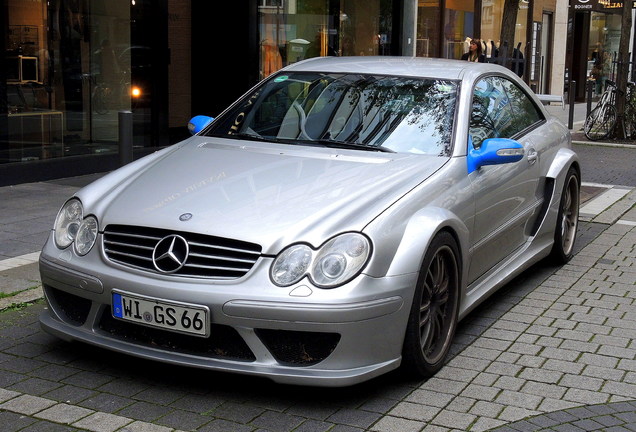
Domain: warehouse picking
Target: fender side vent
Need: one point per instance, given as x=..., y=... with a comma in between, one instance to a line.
x=548, y=192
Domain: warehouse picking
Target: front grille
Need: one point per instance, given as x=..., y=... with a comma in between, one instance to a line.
x=298, y=348
x=224, y=342
x=209, y=256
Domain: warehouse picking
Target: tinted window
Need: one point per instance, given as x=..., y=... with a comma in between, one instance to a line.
x=500, y=110
x=525, y=113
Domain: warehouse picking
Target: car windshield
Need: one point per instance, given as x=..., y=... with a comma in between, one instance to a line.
x=364, y=112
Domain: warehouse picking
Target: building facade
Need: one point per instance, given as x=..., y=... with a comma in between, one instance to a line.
x=593, y=34
x=70, y=68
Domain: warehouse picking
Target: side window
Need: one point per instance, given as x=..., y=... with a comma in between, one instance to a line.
x=491, y=111
x=525, y=114
x=500, y=110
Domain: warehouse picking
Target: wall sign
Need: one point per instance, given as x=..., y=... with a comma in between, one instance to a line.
x=598, y=5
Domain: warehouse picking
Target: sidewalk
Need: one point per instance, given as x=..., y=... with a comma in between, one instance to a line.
x=578, y=120
x=27, y=213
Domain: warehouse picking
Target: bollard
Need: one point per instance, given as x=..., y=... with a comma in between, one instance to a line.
x=572, y=95
x=125, y=137
x=590, y=84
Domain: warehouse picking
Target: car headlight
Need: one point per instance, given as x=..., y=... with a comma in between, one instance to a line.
x=86, y=235
x=334, y=263
x=291, y=265
x=67, y=223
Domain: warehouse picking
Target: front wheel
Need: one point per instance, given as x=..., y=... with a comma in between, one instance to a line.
x=567, y=219
x=434, y=310
x=600, y=123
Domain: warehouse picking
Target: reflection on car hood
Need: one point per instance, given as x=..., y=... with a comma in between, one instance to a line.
x=264, y=193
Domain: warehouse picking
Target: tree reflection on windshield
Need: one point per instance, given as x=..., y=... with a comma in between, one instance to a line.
x=401, y=114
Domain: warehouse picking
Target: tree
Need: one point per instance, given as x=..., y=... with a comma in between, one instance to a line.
x=508, y=25
x=622, y=70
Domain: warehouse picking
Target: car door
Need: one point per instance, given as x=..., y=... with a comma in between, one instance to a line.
x=506, y=196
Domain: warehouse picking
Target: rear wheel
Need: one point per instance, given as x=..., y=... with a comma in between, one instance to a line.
x=600, y=123
x=567, y=219
x=434, y=311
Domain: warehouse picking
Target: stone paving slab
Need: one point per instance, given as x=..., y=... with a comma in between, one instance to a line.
x=618, y=209
x=78, y=418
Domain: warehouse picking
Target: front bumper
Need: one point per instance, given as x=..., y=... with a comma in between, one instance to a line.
x=300, y=335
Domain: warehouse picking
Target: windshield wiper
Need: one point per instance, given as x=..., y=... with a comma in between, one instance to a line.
x=323, y=142
x=248, y=136
x=348, y=145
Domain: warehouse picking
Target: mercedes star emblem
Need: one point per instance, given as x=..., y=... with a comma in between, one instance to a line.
x=170, y=254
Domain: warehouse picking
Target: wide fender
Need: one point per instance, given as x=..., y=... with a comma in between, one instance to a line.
x=557, y=170
x=416, y=236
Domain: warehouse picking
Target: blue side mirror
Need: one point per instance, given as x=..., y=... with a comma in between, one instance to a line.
x=198, y=123
x=494, y=151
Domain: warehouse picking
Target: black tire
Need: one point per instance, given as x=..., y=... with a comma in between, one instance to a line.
x=600, y=123
x=567, y=219
x=433, y=318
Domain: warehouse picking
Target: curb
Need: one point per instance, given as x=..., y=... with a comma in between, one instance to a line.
x=613, y=213
x=27, y=296
x=604, y=144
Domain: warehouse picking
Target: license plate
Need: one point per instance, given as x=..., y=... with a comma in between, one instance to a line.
x=178, y=317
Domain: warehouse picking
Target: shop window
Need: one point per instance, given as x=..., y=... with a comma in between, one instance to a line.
x=291, y=31
x=603, y=45
x=66, y=77
x=491, y=19
x=428, y=24
x=459, y=16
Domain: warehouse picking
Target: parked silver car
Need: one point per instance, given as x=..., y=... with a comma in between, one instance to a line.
x=333, y=224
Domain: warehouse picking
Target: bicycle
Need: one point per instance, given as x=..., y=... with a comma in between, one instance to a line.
x=107, y=96
x=630, y=111
x=601, y=121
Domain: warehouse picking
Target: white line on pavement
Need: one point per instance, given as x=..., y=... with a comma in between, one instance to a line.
x=602, y=185
x=596, y=205
x=21, y=260
x=625, y=222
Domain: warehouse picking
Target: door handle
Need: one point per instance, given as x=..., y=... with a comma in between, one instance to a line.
x=533, y=156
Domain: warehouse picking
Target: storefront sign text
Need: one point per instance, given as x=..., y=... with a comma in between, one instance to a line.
x=597, y=5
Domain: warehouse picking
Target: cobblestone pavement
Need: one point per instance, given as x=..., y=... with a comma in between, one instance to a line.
x=555, y=350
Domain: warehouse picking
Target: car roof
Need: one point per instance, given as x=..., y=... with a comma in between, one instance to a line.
x=403, y=66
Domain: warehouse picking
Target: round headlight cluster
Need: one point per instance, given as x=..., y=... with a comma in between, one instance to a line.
x=86, y=235
x=334, y=263
x=71, y=226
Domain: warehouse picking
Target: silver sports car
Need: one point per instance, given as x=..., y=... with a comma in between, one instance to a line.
x=333, y=224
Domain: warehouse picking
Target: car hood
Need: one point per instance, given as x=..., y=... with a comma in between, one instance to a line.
x=269, y=194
